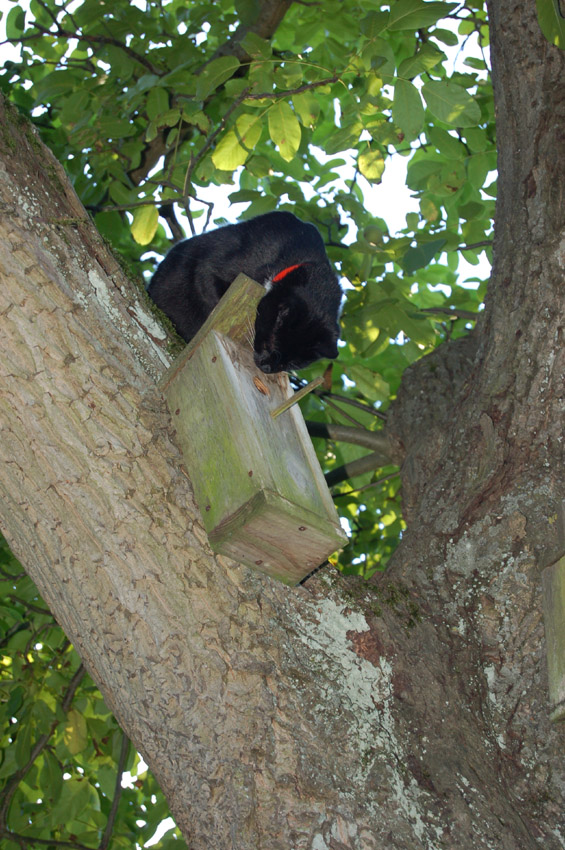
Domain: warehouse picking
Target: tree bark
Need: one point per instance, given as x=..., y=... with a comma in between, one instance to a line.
x=410, y=713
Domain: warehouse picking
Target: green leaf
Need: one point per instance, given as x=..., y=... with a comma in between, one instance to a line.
x=425, y=59
x=340, y=140
x=144, y=224
x=451, y=103
x=53, y=86
x=371, y=165
x=446, y=37
x=421, y=255
x=75, y=736
x=307, y=106
x=74, y=106
x=15, y=23
x=478, y=167
x=415, y=14
x=374, y=23
x=551, y=21
x=121, y=194
x=284, y=129
x=407, y=109
x=157, y=102
x=73, y=801
x=15, y=701
x=369, y=383
x=256, y=46
x=192, y=114
x=109, y=127
x=51, y=778
x=247, y=11
x=236, y=145
x=23, y=744
x=214, y=74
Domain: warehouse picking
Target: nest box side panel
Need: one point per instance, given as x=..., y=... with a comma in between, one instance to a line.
x=206, y=413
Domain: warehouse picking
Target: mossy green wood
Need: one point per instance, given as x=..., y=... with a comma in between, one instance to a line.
x=553, y=583
x=263, y=498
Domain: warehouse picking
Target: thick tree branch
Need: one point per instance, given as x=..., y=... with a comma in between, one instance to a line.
x=367, y=463
x=270, y=15
x=375, y=440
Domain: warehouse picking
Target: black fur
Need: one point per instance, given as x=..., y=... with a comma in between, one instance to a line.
x=297, y=320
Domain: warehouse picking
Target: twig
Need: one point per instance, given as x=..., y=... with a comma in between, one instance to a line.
x=366, y=486
x=89, y=39
x=290, y=92
x=452, y=312
x=486, y=243
x=29, y=605
x=342, y=412
x=117, y=794
x=168, y=212
x=354, y=403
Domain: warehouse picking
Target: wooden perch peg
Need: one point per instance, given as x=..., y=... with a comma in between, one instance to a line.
x=299, y=394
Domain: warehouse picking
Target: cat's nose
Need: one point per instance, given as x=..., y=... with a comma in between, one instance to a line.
x=263, y=361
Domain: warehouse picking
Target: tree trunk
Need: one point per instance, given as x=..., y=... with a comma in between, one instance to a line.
x=408, y=713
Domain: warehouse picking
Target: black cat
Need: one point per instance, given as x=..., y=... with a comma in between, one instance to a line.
x=297, y=320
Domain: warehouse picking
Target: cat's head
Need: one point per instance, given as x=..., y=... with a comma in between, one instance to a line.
x=289, y=336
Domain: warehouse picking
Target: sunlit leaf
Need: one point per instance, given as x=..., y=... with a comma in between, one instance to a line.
x=284, y=129
x=307, y=107
x=451, y=103
x=372, y=165
x=75, y=732
x=144, y=225
x=236, y=145
x=370, y=383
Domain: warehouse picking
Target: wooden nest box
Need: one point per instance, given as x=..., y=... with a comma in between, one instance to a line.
x=257, y=481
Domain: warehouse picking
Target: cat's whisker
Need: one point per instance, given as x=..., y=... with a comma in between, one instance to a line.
x=250, y=335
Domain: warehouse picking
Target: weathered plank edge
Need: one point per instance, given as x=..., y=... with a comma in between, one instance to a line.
x=221, y=536
x=553, y=586
x=230, y=316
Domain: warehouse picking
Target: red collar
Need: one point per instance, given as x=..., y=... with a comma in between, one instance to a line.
x=286, y=271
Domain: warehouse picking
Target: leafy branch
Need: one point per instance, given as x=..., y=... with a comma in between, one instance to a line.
x=77, y=34
x=12, y=784
x=289, y=92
